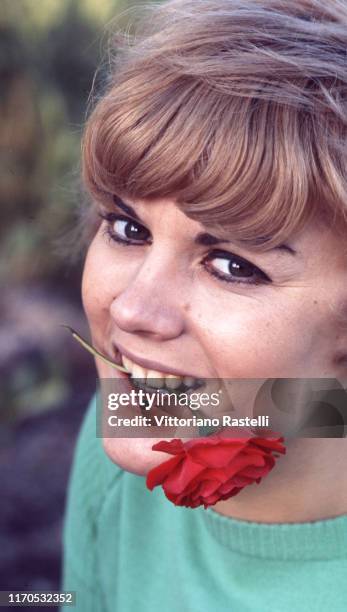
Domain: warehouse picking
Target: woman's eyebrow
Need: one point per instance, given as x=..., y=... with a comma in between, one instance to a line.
x=202, y=238
x=129, y=210
x=206, y=239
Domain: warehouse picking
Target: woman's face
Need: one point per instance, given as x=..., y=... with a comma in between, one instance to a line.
x=174, y=299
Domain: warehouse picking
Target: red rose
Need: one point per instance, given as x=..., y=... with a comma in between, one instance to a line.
x=206, y=470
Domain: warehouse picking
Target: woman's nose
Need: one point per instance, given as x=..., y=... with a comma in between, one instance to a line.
x=151, y=304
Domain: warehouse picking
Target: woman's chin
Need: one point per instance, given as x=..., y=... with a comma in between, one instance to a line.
x=134, y=454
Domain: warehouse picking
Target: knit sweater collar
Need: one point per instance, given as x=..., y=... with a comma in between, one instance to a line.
x=316, y=540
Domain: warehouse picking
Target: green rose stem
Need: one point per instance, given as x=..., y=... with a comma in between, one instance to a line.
x=93, y=351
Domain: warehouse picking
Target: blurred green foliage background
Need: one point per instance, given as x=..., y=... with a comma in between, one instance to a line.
x=49, y=53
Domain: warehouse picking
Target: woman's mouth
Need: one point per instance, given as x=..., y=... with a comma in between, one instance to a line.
x=146, y=379
x=166, y=388
x=149, y=378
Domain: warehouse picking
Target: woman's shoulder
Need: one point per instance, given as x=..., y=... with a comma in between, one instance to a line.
x=92, y=473
x=93, y=476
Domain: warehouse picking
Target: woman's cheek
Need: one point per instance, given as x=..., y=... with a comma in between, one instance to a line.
x=90, y=289
x=252, y=341
x=235, y=336
x=98, y=284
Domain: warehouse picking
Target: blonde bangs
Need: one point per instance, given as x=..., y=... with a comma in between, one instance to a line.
x=249, y=163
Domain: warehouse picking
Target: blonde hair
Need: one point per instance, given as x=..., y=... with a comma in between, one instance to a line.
x=236, y=109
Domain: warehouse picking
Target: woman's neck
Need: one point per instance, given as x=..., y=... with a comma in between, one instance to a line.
x=308, y=484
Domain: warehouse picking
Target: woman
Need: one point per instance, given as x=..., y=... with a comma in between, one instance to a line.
x=216, y=161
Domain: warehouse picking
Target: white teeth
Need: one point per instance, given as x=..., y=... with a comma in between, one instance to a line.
x=172, y=382
x=154, y=378
x=155, y=374
x=138, y=371
x=127, y=363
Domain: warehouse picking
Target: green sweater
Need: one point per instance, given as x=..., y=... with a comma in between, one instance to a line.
x=131, y=550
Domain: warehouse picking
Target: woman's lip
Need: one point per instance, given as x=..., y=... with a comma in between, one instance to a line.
x=149, y=364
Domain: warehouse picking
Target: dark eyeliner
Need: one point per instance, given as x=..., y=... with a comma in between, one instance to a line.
x=262, y=278
x=107, y=232
x=111, y=217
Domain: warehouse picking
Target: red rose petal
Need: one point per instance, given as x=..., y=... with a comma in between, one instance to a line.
x=207, y=488
x=157, y=475
x=182, y=477
x=206, y=470
x=215, y=456
x=173, y=447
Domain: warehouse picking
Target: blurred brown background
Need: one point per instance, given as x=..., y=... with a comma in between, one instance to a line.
x=49, y=52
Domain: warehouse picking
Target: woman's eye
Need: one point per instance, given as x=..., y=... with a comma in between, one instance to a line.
x=221, y=264
x=234, y=269
x=125, y=230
